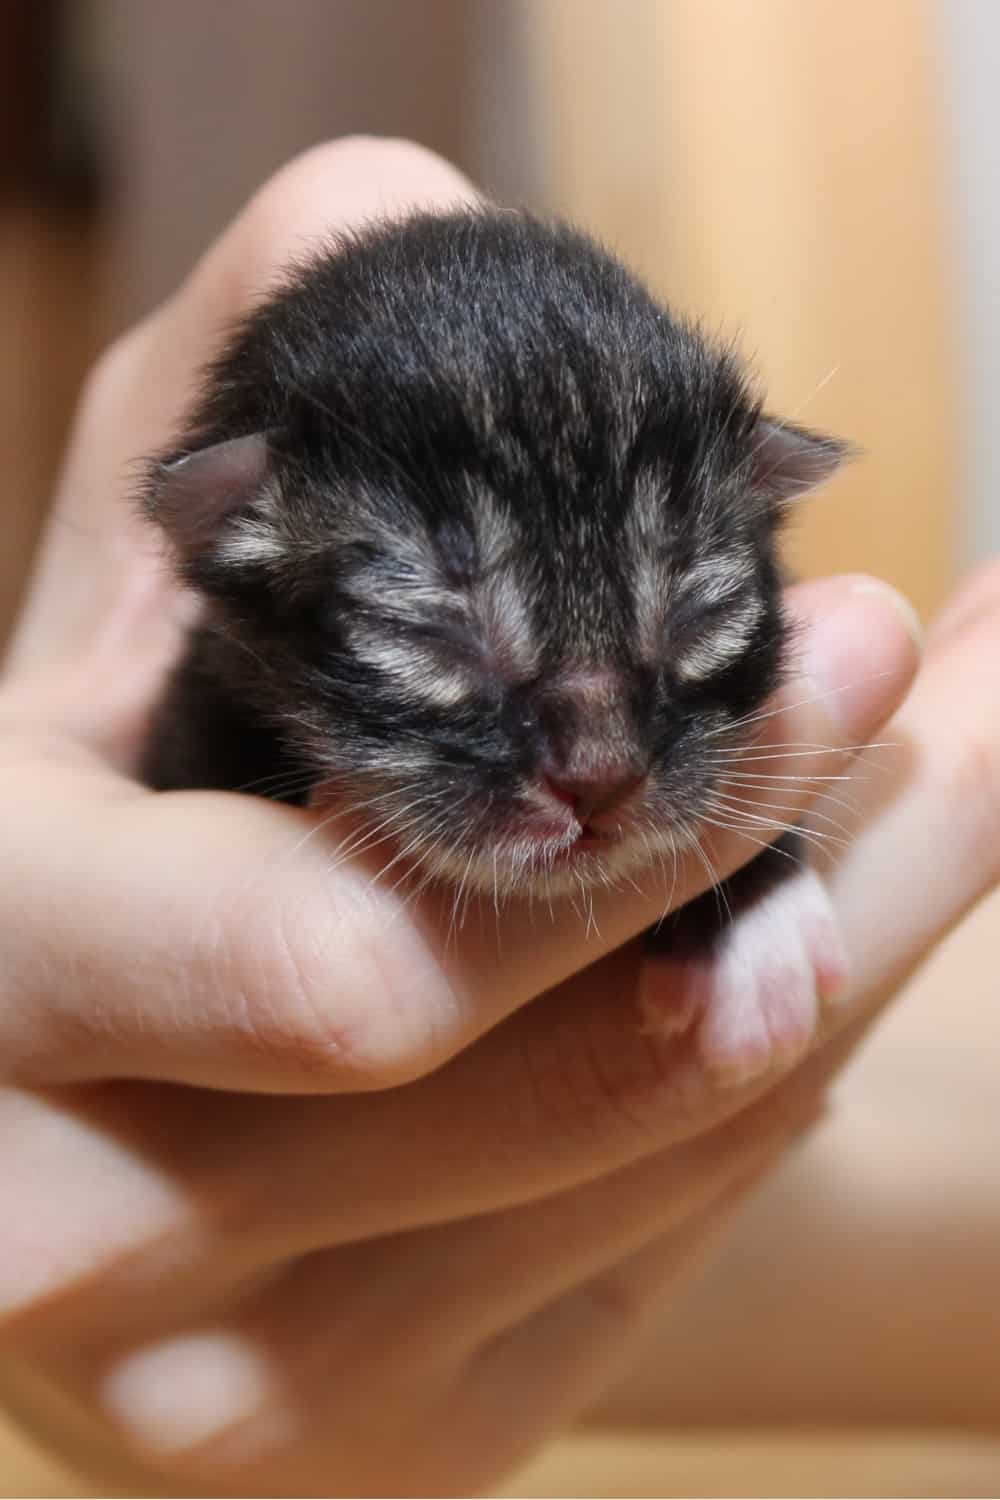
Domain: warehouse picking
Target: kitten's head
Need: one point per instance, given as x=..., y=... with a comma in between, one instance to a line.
x=499, y=536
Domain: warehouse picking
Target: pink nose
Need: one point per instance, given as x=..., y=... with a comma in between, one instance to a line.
x=598, y=792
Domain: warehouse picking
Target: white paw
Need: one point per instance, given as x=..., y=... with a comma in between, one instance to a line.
x=754, y=1000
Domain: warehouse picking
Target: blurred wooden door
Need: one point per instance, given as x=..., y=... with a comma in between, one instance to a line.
x=773, y=166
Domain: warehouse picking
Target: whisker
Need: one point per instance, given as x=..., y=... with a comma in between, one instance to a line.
x=819, y=840
x=802, y=777
x=758, y=751
x=722, y=906
x=277, y=783
x=741, y=806
x=846, y=804
x=761, y=715
x=762, y=844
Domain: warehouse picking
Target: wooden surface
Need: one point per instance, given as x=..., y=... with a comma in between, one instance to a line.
x=809, y=1464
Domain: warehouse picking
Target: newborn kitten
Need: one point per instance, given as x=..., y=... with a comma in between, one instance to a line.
x=486, y=543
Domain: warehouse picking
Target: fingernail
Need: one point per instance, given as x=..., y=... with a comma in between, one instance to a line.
x=188, y=1390
x=853, y=659
x=874, y=588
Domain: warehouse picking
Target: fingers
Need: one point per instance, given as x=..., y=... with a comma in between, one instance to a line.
x=216, y=941
x=566, y=1092
x=976, y=598
x=519, y=1261
x=236, y=1405
x=455, y=1305
x=564, y=1358
x=928, y=845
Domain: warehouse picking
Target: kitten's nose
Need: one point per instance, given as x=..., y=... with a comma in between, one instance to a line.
x=599, y=791
x=592, y=759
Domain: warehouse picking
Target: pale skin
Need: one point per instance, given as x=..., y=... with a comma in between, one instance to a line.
x=432, y=1189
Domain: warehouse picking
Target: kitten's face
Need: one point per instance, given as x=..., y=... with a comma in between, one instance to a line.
x=513, y=598
x=532, y=706
x=527, y=695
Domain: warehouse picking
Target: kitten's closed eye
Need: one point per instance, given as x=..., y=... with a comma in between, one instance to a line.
x=704, y=641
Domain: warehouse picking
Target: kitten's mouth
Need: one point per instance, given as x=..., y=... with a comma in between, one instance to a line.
x=561, y=848
x=553, y=839
x=589, y=841
x=541, y=863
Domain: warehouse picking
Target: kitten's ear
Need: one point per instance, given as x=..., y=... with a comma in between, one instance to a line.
x=193, y=497
x=788, y=461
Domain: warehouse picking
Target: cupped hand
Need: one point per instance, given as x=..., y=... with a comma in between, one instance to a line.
x=303, y=1195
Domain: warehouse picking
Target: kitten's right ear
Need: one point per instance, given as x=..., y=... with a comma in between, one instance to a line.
x=789, y=461
x=193, y=497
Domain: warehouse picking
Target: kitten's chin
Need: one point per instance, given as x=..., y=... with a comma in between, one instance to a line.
x=533, y=868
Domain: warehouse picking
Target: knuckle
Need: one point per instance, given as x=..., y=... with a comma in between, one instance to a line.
x=272, y=1004
x=322, y=1025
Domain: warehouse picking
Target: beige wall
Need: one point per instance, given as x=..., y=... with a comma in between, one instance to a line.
x=774, y=166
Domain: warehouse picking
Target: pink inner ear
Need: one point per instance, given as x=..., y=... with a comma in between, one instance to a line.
x=193, y=497
x=789, y=460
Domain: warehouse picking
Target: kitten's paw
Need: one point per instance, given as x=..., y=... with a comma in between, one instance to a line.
x=753, y=994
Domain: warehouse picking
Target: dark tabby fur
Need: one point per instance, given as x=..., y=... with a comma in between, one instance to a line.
x=471, y=515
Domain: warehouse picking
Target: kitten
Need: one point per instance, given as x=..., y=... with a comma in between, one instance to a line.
x=486, y=543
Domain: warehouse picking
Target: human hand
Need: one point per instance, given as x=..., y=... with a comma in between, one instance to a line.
x=408, y=1221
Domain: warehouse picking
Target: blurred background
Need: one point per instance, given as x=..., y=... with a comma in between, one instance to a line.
x=817, y=177
x=805, y=176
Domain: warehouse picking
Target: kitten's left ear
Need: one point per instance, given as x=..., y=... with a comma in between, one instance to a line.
x=194, y=497
x=788, y=461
